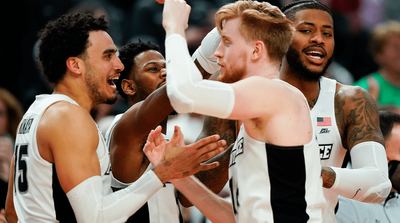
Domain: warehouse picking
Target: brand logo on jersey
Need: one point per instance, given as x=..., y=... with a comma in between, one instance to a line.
x=236, y=151
x=325, y=151
x=25, y=126
x=324, y=130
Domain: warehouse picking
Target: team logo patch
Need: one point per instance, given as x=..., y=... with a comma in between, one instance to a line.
x=325, y=151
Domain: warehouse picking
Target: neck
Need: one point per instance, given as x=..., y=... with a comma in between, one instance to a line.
x=390, y=76
x=310, y=89
x=267, y=70
x=76, y=90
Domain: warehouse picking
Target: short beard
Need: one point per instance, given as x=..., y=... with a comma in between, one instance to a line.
x=235, y=74
x=293, y=59
x=93, y=87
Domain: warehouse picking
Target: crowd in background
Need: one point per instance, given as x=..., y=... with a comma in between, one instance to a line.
x=130, y=20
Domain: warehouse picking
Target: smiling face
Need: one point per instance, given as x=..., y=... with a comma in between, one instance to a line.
x=102, y=67
x=312, y=46
x=232, y=52
x=149, y=72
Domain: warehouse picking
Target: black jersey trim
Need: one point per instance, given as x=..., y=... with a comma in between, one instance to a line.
x=287, y=173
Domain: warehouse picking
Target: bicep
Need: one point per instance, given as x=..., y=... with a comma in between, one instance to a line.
x=73, y=145
x=362, y=119
x=255, y=97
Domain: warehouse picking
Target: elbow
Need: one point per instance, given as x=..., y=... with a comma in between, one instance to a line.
x=179, y=101
x=379, y=192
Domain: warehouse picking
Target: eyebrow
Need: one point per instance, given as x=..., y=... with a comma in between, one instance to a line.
x=109, y=51
x=312, y=24
x=154, y=63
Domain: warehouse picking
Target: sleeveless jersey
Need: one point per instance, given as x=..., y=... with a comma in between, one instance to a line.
x=162, y=207
x=38, y=196
x=271, y=183
x=331, y=149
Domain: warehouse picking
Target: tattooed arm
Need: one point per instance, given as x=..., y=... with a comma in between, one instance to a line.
x=358, y=123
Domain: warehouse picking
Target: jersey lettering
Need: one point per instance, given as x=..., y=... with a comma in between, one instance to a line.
x=325, y=151
x=25, y=126
x=236, y=151
x=20, y=168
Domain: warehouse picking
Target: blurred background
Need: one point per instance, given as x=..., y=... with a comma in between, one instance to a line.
x=141, y=19
x=130, y=20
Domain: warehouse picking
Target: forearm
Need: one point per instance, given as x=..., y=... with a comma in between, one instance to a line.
x=90, y=205
x=187, y=90
x=215, y=208
x=216, y=179
x=368, y=180
x=10, y=214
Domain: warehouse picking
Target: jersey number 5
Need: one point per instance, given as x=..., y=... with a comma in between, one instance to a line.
x=20, y=168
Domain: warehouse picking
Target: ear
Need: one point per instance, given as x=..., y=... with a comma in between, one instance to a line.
x=75, y=65
x=129, y=87
x=258, y=50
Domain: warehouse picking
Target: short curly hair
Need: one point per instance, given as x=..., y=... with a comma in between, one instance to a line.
x=292, y=8
x=127, y=55
x=66, y=37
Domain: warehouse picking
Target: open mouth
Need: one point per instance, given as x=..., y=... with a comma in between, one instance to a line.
x=112, y=81
x=314, y=54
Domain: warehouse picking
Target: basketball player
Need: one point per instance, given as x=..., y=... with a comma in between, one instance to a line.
x=345, y=117
x=142, y=84
x=276, y=123
x=61, y=164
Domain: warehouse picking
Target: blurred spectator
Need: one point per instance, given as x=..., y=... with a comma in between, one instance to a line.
x=10, y=115
x=352, y=211
x=384, y=85
x=339, y=73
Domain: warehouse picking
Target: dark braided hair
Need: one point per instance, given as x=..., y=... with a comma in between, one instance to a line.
x=292, y=8
x=127, y=55
x=63, y=38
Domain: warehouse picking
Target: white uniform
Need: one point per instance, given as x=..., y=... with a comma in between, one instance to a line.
x=271, y=183
x=162, y=207
x=38, y=196
x=331, y=149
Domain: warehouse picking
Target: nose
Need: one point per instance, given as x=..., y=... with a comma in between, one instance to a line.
x=218, y=53
x=317, y=38
x=163, y=73
x=118, y=65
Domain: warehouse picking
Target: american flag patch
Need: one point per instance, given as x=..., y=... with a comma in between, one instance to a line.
x=324, y=121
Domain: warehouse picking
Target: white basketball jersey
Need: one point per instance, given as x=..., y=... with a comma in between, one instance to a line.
x=271, y=183
x=331, y=149
x=38, y=196
x=162, y=207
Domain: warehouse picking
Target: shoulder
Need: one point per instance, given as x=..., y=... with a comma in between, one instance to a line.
x=66, y=118
x=351, y=93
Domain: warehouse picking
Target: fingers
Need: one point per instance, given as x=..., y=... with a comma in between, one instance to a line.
x=210, y=166
x=211, y=150
x=204, y=141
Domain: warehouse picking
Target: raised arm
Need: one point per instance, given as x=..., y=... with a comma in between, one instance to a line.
x=358, y=121
x=130, y=133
